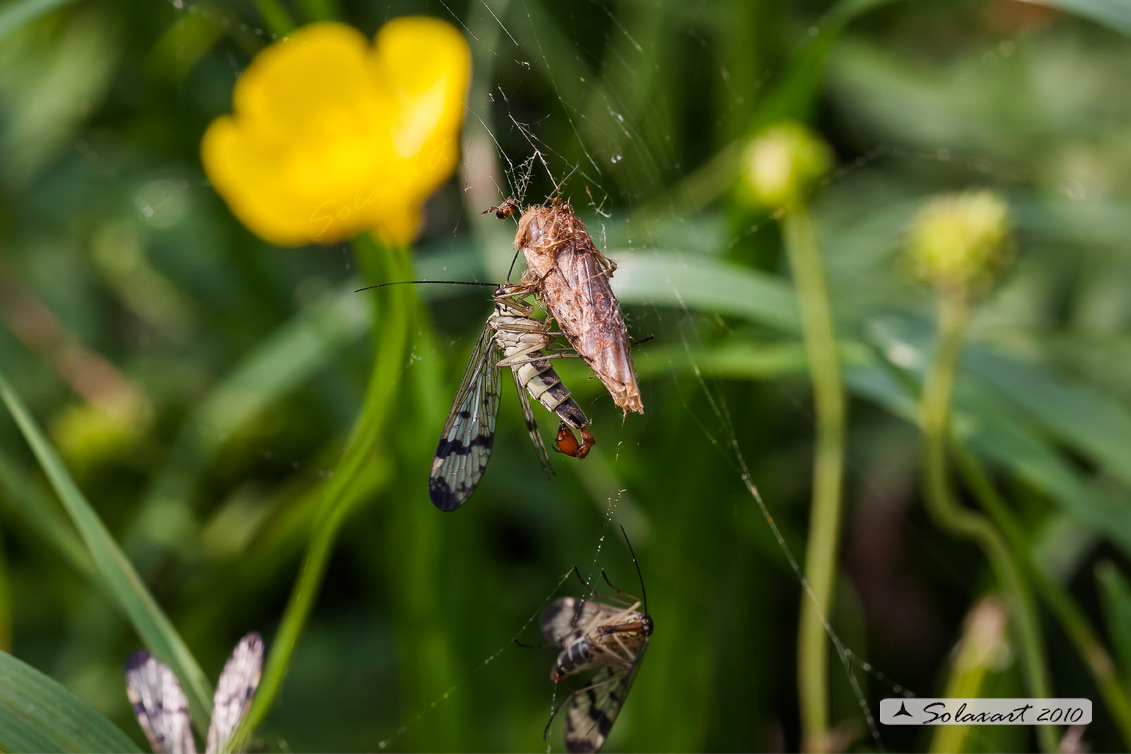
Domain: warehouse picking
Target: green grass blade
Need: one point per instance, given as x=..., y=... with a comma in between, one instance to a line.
x=984, y=420
x=41, y=515
x=37, y=714
x=1115, y=596
x=1087, y=421
x=120, y=577
x=669, y=278
x=985, y=424
x=1094, y=424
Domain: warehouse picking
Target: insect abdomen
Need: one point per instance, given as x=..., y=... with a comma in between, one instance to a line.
x=570, y=659
x=545, y=386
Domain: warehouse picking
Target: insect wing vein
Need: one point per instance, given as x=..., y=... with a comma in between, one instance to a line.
x=160, y=704
x=594, y=708
x=234, y=691
x=566, y=619
x=469, y=432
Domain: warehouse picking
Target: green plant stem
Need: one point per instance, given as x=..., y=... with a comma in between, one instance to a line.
x=949, y=515
x=391, y=320
x=1072, y=620
x=828, y=476
x=275, y=17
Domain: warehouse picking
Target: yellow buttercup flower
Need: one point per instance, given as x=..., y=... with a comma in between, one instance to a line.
x=331, y=136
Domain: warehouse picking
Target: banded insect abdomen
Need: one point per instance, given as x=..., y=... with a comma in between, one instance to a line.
x=522, y=340
x=545, y=386
x=571, y=658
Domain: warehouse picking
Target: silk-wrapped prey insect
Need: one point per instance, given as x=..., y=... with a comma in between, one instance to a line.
x=510, y=338
x=162, y=709
x=603, y=636
x=571, y=278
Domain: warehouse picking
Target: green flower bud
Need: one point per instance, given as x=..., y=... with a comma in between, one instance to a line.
x=958, y=243
x=783, y=164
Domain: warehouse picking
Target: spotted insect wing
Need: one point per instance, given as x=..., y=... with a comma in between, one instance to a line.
x=162, y=708
x=607, y=639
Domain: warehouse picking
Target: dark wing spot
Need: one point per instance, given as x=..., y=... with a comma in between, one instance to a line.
x=136, y=660
x=442, y=495
x=598, y=715
x=549, y=619
x=450, y=446
x=578, y=611
x=580, y=745
x=589, y=738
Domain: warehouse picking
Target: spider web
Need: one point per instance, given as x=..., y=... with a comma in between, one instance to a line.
x=613, y=166
x=518, y=174
x=593, y=164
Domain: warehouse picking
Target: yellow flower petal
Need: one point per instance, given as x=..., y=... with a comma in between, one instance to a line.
x=246, y=175
x=291, y=83
x=331, y=137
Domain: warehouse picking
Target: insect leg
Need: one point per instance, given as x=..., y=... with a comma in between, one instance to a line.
x=514, y=296
x=577, y=573
x=519, y=360
x=524, y=355
x=605, y=576
x=524, y=645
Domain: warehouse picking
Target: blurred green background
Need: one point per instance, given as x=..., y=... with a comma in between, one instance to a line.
x=200, y=385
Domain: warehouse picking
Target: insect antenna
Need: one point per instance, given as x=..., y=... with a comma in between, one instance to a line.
x=426, y=282
x=514, y=260
x=640, y=576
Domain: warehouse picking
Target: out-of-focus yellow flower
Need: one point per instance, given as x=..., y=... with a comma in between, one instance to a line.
x=958, y=243
x=331, y=136
x=783, y=163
